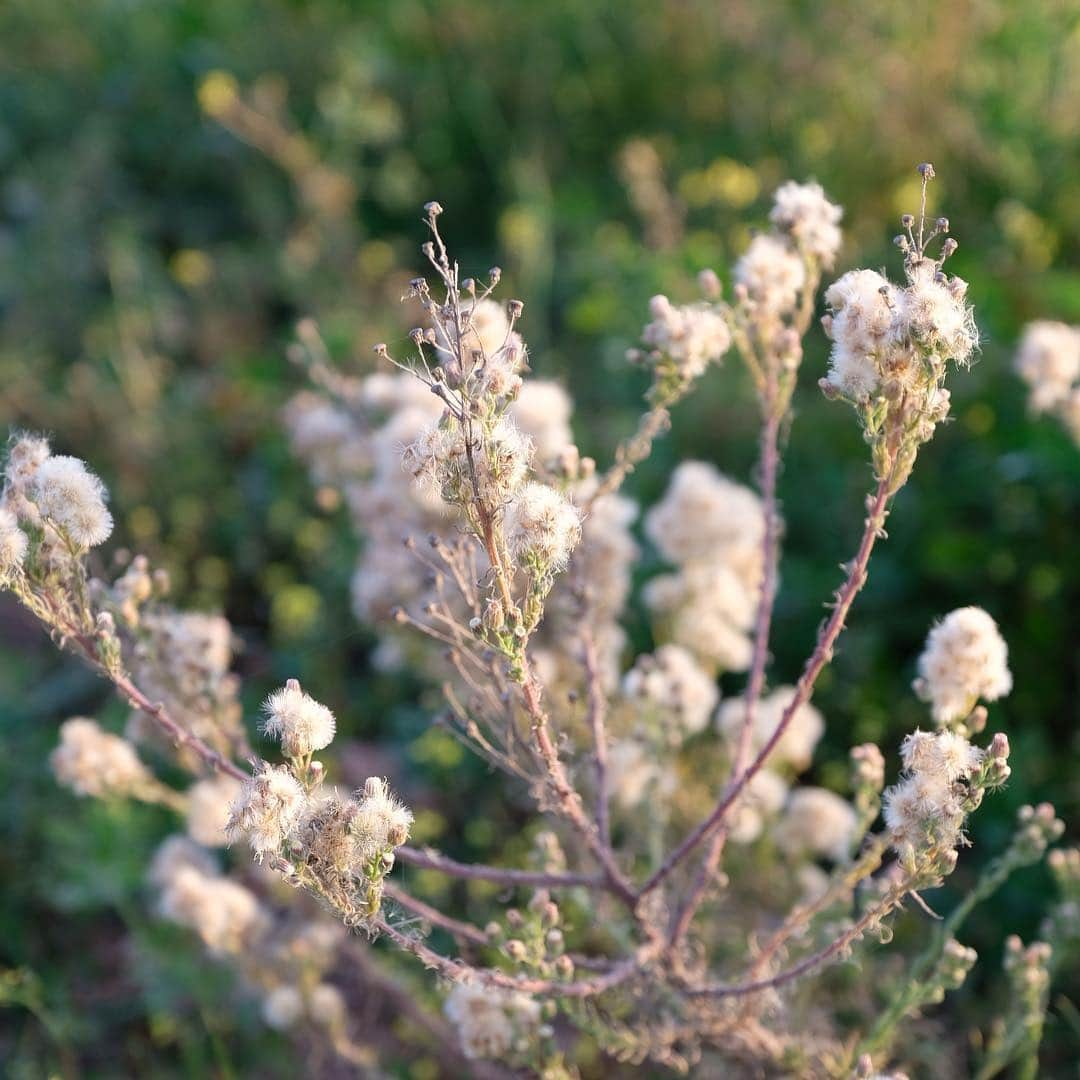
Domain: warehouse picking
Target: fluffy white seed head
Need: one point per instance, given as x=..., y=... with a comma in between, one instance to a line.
x=542, y=412
x=803, y=211
x=73, y=498
x=965, y=659
x=693, y=335
x=297, y=720
x=266, y=810
x=13, y=543
x=762, y=799
x=93, y=762
x=283, y=1007
x=491, y=1022
x=817, y=821
x=1048, y=360
x=542, y=525
x=795, y=749
x=381, y=821
x=943, y=755
x=671, y=687
x=225, y=915
x=772, y=273
x=705, y=515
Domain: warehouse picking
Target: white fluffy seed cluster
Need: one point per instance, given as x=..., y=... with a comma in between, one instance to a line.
x=772, y=272
x=760, y=803
x=267, y=809
x=691, y=335
x=795, y=750
x=57, y=495
x=542, y=526
x=13, y=543
x=73, y=499
x=818, y=822
x=671, y=692
x=965, y=659
x=804, y=213
x=181, y=659
x=1048, y=360
x=91, y=761
x=491, y=355
x=711, y=528
x=637, y=776
x=925, y=809
x=492, y=1023
x=226, y=916
x=353, y=451
x=382, y=821
x=888, y=341
x=299, y=722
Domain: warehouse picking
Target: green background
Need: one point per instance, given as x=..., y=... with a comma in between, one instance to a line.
x=153, y=265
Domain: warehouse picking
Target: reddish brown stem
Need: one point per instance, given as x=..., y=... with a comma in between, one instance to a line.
x=770, y=467
x=821, y=655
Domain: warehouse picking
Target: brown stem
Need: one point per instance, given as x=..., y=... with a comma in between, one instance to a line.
x=569, y=800
x=455, y=970
x=770, y=466
x=715, y=990
x=433, y=860
x=463, y=930
x=597, y=718
x=821, y=655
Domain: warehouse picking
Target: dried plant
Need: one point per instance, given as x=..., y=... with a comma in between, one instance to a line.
x=690, y=893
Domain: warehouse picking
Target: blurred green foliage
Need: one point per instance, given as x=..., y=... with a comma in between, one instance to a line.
x=155, y=255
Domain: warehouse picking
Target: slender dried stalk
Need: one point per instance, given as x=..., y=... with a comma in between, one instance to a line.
x=822, y=654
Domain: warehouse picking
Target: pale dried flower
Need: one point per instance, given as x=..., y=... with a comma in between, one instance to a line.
x=298, y=721
x=817, y=821
x=803, y=211
x=73, y=499
x=491, y=1023
x=772, y=273
x=704, y=515
x=542, y=526
x=672, y=689
x=693, y=335
x=282, y=1007
x=381, y=821
x=93, y=762
x=1048, y=360
x=266, y=810
x=224, y=914
x=13, y=542
x=965, y=659
x=795, y=749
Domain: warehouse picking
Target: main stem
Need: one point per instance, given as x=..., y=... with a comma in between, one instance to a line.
x=770, y=467
x=822, y=654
